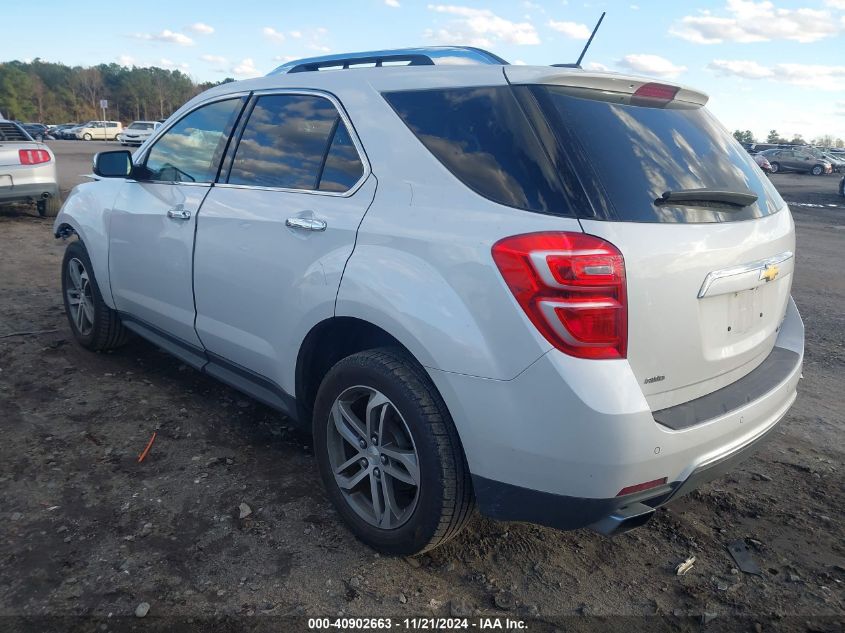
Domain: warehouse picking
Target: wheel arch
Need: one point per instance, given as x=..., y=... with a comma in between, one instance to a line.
x=327, y=343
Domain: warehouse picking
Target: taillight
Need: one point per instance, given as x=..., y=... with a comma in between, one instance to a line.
x=33, y=156
x=654, y=94
x=572, y=287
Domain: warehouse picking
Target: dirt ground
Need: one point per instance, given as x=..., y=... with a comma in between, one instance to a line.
x=88, y=531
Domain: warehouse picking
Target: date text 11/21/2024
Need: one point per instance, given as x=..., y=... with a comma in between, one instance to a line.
x=417, y=624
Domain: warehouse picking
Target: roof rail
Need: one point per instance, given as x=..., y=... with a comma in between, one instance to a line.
x=425, y=56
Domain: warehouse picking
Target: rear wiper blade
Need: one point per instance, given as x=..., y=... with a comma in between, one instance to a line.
x=707, y=197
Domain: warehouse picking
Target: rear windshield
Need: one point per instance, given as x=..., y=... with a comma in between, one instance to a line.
x=12, y=132
x=627, y=156
x=141, y=126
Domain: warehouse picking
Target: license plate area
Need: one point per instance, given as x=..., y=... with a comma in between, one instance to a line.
x=745, y=310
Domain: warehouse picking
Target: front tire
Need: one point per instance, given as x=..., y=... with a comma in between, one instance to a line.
x=95, y=326
x=389, y=455
x=817, y=170
x=775, y=168
x=86, y=137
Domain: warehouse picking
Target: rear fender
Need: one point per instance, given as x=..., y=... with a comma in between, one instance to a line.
x=441, y=315
x=86, y=212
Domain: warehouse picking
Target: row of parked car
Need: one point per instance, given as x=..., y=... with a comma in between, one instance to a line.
x=810, y=160
x=135, y=134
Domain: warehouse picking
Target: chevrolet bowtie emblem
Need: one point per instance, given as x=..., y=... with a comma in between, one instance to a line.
x=770, y=272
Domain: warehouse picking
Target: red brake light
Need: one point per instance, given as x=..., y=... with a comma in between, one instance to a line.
x=572, y=288
x=654, y=94
x=33, y=156
x=647, y=485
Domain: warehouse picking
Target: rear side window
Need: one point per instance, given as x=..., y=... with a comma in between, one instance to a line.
x=343, y=166
x=483, y=137
x=296, y=142
x=627, y=156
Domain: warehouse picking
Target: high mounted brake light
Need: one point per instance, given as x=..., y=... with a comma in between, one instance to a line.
x=572, y=288
x=33, y=156
x=654, y=94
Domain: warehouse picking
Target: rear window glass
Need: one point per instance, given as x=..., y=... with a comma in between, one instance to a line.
x=284, y=142
x=483, y=137
x=12, y=132
x=628, y=156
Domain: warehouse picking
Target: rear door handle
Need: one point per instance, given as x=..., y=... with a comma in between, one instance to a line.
x=178, y=213
x=306, y=224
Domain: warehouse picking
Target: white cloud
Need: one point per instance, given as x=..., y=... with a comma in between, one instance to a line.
x=392, y=3
x=126, y=60
x=213, y=59
x=171, y=37
x=201, y=28
x=836, y=4
x=830, y=78
x=246, y=69
x=295, y=34
x=740, y=68
x=839, y=108
x=270, y=33
x=749, y=21
x=597, y=66
x=635, y=7
x=171, y=65
x=571, y=29
x=480, y=27
x=818, y=76
x=651, y=65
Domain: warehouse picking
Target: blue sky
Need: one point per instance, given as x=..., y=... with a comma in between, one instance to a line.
x=765, y=64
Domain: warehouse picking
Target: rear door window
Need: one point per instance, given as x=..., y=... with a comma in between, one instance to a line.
x=483, y=137
x=627, y=156
x=298, y=142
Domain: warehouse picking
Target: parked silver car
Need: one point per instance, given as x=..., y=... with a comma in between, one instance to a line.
x=27, y=170
x=795, y=159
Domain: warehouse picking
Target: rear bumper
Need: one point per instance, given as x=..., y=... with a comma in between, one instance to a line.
x=556, y=445
x=27, y=192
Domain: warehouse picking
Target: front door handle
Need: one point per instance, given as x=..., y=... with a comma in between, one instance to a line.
x=307, y=224
x=178, y=213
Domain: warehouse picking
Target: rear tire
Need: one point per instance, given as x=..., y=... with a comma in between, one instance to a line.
x=95, y=326
x=817, y=170
x=775, y=168
x=48, y=208
x=394, y=430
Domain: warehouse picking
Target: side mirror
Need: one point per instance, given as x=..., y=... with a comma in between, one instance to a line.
x=117, y=164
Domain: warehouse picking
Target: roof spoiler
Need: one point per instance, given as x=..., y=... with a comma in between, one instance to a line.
x=601, y=85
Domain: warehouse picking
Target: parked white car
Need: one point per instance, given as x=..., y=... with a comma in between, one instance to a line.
x=561, y=295
x=27, y=170
x=98, y=131
x=138, y=132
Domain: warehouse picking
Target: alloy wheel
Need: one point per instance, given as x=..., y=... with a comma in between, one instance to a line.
x=373, y=457
x=80, y=297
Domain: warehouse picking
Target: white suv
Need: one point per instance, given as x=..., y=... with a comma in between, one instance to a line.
x=561, y=295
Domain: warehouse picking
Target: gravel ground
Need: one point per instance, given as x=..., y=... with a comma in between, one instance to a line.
x=88, y=531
